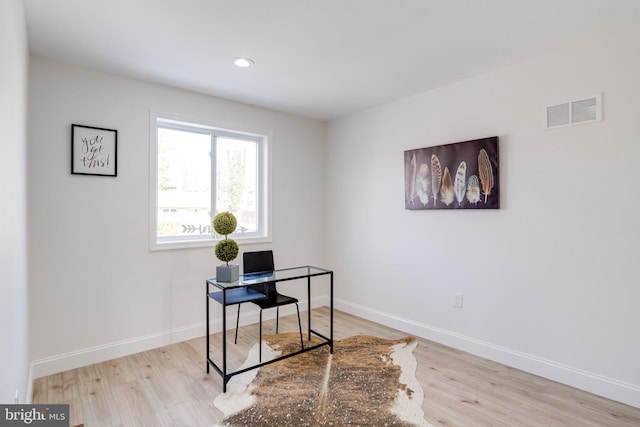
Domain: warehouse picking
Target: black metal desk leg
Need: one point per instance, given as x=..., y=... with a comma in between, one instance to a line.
x=206, y=295
x=224, y=340
x=309, y=306
x=331, y=315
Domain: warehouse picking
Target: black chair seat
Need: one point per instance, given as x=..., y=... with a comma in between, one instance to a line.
x=261, y=262
x=274, y=300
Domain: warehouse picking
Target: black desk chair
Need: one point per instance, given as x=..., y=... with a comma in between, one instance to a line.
x=262, y=262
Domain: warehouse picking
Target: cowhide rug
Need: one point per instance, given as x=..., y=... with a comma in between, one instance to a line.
x=368, y=381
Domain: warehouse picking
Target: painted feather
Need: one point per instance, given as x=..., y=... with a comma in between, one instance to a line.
x=423, y=183
x=473, y=190
x=485, y=172
x=447, y=192
x=460, y=182
x=412, y=179
x=436, y=176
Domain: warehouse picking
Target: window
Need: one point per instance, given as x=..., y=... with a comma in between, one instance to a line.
x=198, y=171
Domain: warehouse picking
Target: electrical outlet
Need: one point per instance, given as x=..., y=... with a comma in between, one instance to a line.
x=458, y=300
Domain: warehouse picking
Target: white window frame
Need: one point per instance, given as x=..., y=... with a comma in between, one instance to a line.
x=263, y=186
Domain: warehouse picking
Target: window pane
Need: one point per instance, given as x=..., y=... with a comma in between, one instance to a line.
x=236, y=181
x=201, y=171
x=184, y=184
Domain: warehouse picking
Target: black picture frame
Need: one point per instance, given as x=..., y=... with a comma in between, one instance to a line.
x=94, y=151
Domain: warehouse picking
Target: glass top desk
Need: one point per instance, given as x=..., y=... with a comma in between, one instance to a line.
x=231, y=293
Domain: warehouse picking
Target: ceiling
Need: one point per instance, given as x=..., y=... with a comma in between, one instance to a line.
x=322, y=59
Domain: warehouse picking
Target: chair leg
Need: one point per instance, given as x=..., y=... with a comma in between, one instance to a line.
x=237, y=323
x=300, y=327
x=260, y=342
x=277, y=318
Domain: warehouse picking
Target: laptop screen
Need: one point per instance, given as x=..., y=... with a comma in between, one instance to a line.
x=255, y=262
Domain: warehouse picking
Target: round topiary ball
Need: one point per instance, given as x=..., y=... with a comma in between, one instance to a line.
x=225, y=223
x=227, y=250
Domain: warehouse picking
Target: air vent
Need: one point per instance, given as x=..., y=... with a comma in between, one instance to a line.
x=574, y=112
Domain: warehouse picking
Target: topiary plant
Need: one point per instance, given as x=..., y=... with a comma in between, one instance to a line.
x=225, y=223
x=226, y=250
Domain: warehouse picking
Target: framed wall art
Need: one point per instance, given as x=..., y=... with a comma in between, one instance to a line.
x=462, y=175
x=94, y=151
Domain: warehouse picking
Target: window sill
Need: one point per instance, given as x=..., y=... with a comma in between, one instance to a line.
x=208, y=243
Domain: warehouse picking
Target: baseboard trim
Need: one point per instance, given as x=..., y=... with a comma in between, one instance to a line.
x=594, y=383
x=75, y=359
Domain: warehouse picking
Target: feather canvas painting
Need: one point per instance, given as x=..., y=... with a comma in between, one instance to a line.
x=462, y=175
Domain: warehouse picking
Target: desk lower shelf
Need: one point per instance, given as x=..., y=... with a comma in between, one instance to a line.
x=237, y=296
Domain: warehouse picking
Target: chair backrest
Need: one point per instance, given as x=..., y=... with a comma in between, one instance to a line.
x=257, y=262
x=260, y=262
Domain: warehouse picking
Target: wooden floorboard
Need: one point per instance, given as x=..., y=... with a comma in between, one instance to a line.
x=168, y=386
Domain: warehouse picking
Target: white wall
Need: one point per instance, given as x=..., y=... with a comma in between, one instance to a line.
x=97, y=290
x=550, y=281
x=13, y=188
x=13, y=199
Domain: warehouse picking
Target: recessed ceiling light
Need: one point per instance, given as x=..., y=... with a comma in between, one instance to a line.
x=243, y=62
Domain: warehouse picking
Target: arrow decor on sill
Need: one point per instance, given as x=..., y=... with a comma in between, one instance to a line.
x=201, y=229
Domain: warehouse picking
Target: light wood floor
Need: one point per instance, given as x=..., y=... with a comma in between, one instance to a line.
x=168, y=386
